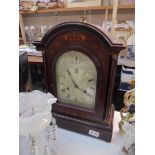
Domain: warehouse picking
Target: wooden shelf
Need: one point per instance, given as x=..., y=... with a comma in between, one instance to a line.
x=131, y=6
x=35, y=59
x=104, y=9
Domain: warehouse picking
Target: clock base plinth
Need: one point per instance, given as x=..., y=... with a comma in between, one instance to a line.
x=100, y=130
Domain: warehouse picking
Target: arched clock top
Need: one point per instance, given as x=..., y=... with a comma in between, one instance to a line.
x=80, y=61
x=96, y=30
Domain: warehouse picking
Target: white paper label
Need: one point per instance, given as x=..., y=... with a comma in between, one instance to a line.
x=94, y=133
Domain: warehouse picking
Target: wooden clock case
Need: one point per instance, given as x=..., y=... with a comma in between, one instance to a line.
x=103, y=51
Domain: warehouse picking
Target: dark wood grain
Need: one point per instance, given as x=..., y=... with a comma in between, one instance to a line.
x=103, y=51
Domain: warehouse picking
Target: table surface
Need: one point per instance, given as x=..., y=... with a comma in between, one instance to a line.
x=35, y=59
x=71, y=143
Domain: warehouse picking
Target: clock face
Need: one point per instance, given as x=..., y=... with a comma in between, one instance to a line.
x=76, y=78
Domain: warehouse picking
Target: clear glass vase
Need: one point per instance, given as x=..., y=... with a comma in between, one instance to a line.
x=37, y=127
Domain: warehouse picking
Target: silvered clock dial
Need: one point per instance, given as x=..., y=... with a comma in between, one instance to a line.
x=76, y=78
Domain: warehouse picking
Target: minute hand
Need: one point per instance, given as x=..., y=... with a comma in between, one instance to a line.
x=76, y=86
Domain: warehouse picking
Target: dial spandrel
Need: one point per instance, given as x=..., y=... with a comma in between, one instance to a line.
x=76, y=79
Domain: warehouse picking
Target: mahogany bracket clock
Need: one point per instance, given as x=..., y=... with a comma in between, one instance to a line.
x=80, y=61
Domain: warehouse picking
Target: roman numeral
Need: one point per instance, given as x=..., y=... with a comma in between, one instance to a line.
x=90, y=80
x=92, y=88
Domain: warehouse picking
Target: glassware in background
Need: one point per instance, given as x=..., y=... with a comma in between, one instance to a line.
x=33, y=149
x=32, y=30
x=48, y=137
x=111, y=2
x=29, y=31
x=44, y=29
x=50, y=26
x=35, y=33
x=106, y=2
x=122, y=1
x=127, y=1
x=131, y=1
x=37, y=127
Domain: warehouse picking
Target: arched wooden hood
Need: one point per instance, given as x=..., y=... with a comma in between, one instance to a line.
x=99, y=31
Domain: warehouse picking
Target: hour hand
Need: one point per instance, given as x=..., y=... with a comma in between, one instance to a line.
x=85, y=92
x=76, y=86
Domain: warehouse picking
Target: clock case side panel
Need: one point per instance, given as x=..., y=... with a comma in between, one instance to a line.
x=111, y=81
x=41, y=47
x=44, y=71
